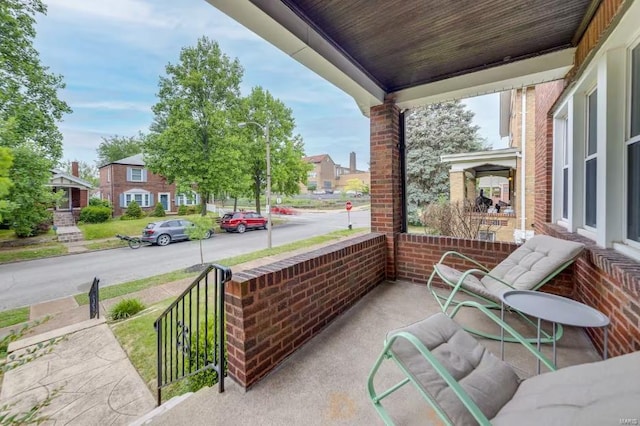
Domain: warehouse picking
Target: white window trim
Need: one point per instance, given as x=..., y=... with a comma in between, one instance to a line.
x=588, y=157
x=633, y=245
x=141, y=174
x=183, y=200
x=130, y=196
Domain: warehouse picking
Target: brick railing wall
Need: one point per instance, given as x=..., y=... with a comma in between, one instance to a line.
x=273, y=310
x=418, y=253
x=609, y=282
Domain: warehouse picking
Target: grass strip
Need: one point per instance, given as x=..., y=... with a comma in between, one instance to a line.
x=14, y=316
x=29, y=254
x=133, y=286
x=109, y=244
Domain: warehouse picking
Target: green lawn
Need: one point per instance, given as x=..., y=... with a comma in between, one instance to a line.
x=14, y=316
x=95, y=231
x=36, y=253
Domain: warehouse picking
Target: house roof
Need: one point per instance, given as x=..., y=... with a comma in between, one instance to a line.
x=60, y=178
x=482, y=161
x=316, y=158
x=421, y=51
x=134, y=160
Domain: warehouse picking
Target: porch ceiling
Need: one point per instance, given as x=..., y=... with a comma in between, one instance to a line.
x=417, y=50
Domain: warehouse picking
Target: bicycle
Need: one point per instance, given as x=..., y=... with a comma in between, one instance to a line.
x=134, y=242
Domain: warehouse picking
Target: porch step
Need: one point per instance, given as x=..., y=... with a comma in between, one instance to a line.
x=68, y=234
x=63, y=219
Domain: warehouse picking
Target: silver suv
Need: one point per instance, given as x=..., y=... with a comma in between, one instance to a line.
x=167, y=231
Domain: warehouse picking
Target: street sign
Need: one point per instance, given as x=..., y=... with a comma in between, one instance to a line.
x=349, y=205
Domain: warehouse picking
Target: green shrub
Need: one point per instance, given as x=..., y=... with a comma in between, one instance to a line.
x=159, y=211
x=126, y=308
x=95, y=214
x=134, y=211
x=182, y=210
x=192, y=209
x=206, y=377
x=97, y=202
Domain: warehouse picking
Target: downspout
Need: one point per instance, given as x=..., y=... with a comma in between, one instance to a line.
x=523, y=167
x=403, y=171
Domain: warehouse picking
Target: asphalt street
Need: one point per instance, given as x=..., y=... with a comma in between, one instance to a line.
x=29, y=282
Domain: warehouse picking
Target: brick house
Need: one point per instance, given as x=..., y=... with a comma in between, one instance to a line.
x=126, y=180
x=504, y=175
x=76, y=190
x=584, y=63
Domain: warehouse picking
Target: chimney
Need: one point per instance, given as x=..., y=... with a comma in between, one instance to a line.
x=74, y=169
x=352, y=162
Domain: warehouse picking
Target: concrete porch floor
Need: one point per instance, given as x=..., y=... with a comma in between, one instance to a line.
x=324, y=383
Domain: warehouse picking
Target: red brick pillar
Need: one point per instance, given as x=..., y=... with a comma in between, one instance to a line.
x=386, y=178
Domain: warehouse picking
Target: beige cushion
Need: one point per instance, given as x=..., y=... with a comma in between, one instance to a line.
x=470, y=283
x=531, y=263
x=599, y=393
x=490, y=382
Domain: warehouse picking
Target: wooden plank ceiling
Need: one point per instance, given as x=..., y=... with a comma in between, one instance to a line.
x=406, y=43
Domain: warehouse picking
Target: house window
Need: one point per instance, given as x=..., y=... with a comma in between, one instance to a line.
x=633, y=151
x=564, y=135
x=486, y=235
x=191, y=199
x=142, y=198
x=136, y=174
x=591, y=162
x=108, y=175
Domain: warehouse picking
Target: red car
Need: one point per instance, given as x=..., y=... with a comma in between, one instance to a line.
x=283, y=210
x=241, y=221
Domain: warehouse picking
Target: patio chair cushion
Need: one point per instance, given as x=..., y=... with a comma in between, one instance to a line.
x=489, y=381
x=531, y=263
x=470, y=283
x=595, y=393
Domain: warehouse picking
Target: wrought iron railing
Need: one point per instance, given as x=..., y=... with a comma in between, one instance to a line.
x=190, y=332
x=94, y=299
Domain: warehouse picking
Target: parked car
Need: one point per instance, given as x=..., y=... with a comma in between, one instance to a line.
x=283, y=210
x=241, y=221
x=167, y=231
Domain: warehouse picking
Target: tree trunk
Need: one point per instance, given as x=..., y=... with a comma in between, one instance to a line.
x=235, y=203
x=203, y=201
x=256, y=191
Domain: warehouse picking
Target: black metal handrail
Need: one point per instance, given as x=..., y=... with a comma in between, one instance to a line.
x=191, y=331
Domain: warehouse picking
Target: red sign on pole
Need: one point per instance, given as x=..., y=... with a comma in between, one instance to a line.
x=348, y=205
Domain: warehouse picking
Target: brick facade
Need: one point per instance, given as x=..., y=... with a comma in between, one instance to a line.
x=546, y=96
x=386, y=178
x=113, y=182
x=275, y=309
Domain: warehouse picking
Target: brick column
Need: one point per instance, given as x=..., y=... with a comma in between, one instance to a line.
x=386, y=178
x=457, y=188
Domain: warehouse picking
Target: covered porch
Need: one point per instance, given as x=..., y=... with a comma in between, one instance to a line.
x=324, y=315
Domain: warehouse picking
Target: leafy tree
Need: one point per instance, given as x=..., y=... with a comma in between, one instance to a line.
x=29, y=112
x=431, y=131
x=201, y=230
x=6, y=161
x=29, y=104
x=31, y=198
x=287, y=167
x=87, y=172
x=116, y=148
x=193, y=140
x=354, y=185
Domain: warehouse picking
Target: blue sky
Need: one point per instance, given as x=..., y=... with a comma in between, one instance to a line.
x=111, y=54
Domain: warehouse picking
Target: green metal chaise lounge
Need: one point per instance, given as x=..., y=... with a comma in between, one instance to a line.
x=529, y=267
x=466, y=384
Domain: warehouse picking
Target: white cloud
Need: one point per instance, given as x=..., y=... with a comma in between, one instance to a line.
x=124, y=11
x=114, y=105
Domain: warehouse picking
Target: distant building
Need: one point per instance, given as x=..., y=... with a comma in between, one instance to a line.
x=76, y=190
x=329, y=176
